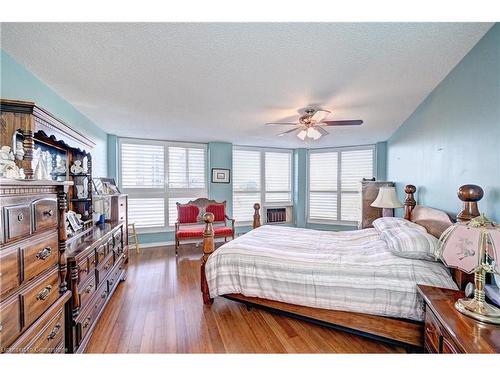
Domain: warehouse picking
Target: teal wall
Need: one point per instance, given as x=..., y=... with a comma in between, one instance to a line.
x=453, y=137
x=112, y=161
x=220, y=155
x=16, y=82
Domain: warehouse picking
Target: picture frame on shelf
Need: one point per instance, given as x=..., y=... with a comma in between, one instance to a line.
x=73, y=221
x=105, y=186
x=221, y=176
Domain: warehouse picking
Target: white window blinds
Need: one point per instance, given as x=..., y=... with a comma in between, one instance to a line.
x=246, y=183
x=186, y=168
x=156, y=175
x=142, y=166
x=278, y=166
x=323, y=180
x=334, y=183
x=355, y=165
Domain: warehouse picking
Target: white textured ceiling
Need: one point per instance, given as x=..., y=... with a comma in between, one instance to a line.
x=222, y=82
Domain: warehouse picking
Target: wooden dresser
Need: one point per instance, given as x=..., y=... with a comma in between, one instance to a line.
x=33, y=288
x=97, y=262
x=448, y=331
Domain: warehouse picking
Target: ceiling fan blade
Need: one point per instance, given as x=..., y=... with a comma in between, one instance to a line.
x=288, y=131
x=282, y=123
x=341, y=122
x=322, y=131
x=319, y=115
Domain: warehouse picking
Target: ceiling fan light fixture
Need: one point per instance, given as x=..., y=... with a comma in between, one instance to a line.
x=302, y=134
x=313, y=133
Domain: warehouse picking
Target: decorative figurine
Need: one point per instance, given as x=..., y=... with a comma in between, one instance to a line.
x=80, y=192
x=41, y=172
x=76, y=168
x=19, y=150
x=8, y=167
x=60, y=165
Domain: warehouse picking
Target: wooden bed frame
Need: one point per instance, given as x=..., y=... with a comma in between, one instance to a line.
x=402, y=332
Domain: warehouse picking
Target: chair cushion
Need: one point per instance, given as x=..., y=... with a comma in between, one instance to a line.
x=187, y=213
x=196, y=231
x=218, y=210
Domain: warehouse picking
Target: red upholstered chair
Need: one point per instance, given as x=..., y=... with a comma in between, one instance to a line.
x=190, y=223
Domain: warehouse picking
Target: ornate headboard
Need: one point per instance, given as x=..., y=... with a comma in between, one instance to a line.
x=437, y=221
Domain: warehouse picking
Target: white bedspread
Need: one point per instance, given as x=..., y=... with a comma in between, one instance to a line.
x=350, y=271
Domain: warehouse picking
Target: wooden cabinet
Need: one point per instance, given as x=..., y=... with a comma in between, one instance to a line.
x=447, y=331
x=97, y=262
x=32, y=267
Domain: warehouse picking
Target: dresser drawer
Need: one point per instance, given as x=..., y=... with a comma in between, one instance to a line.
x=100, y=252
x=10, y=277
x=17, y=221
x=50, y=336
x=86, y=267
x=46, y=333
x=10, y=321
x=448, y=346
x=86, y=291
x=432, y=333
x=40, y=296
x=40, y=256
x=117, y=241
x=104, y=268
x=87, y=319
x=45, y=214
x=114, y=276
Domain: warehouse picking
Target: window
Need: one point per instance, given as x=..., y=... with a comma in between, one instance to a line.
x=334, y=183
x=260, y=175
x=156, y=175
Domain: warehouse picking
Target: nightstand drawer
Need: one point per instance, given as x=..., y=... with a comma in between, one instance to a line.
x=432, y=333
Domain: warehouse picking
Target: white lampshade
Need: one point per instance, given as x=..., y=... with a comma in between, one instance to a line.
x=313, y=133
x=387, y=198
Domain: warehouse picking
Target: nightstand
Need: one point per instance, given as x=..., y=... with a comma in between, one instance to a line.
x=448, y=331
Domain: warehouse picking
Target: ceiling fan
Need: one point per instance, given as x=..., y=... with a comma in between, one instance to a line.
x=310, y=125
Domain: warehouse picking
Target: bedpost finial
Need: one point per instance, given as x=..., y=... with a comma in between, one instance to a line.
x=410, y=201
x=208, y=217
x=256, y=216
x=470, y=195
x=410, y=189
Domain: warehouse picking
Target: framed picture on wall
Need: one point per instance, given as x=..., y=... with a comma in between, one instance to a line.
x=220, y=176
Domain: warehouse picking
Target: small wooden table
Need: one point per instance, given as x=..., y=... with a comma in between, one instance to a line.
x=449, y=331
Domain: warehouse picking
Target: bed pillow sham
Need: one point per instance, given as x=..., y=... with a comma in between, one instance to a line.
x=410, y=243
x=384, y=223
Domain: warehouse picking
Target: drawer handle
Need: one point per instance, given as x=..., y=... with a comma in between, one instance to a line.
x=48, y=213
x=89, y=288
x=44, y=293
x=44, y=254
x=20, y=217
x=1, y=327
x=86, y=323
x=106, y=267
x=54, y=331
x=104, y=295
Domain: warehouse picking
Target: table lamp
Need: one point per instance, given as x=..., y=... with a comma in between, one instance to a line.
x=387, y=199
x=473, y=247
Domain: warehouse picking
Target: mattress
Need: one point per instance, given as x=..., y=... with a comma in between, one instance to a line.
x=349, y=271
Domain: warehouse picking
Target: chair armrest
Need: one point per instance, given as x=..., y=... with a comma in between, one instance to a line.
x=228, y=218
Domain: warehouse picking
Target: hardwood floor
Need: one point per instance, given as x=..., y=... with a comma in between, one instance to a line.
x=159, y=309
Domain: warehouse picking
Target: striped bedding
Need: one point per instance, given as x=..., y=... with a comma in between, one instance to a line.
x=350, y=271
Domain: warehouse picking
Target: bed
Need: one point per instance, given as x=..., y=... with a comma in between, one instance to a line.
x=345, y=280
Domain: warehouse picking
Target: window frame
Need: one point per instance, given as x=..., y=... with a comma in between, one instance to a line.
x=339, y=150
x=262, y=151
x=165, y=192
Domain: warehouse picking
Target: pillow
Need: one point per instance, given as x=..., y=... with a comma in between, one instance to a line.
x=383, y=223
x=410, y=243
x=436, y=228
